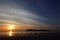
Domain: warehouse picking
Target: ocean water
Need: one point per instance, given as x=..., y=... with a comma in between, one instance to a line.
x=22, y=33
x=30, y=35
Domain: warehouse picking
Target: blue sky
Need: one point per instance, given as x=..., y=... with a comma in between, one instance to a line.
x=50, y=9
x=30, y=12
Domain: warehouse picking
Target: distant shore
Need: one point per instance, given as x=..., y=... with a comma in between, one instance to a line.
x=37, y=30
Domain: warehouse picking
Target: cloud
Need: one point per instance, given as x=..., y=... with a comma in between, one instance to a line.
x=16, y=14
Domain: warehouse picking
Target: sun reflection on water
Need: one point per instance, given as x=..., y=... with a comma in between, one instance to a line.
x=10, y=33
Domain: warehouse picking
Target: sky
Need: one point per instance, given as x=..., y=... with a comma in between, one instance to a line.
x=30, y=14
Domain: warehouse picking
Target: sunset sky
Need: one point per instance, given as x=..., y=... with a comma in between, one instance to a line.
x=30, y=14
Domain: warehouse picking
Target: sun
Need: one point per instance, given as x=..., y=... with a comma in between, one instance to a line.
x=11, y=27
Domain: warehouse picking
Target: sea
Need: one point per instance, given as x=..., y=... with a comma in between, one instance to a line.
x=30, y=35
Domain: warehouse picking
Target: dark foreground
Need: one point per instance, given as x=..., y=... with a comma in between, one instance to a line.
x=35, y=36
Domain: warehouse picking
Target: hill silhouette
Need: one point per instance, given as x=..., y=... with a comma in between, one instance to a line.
x=37, y=30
